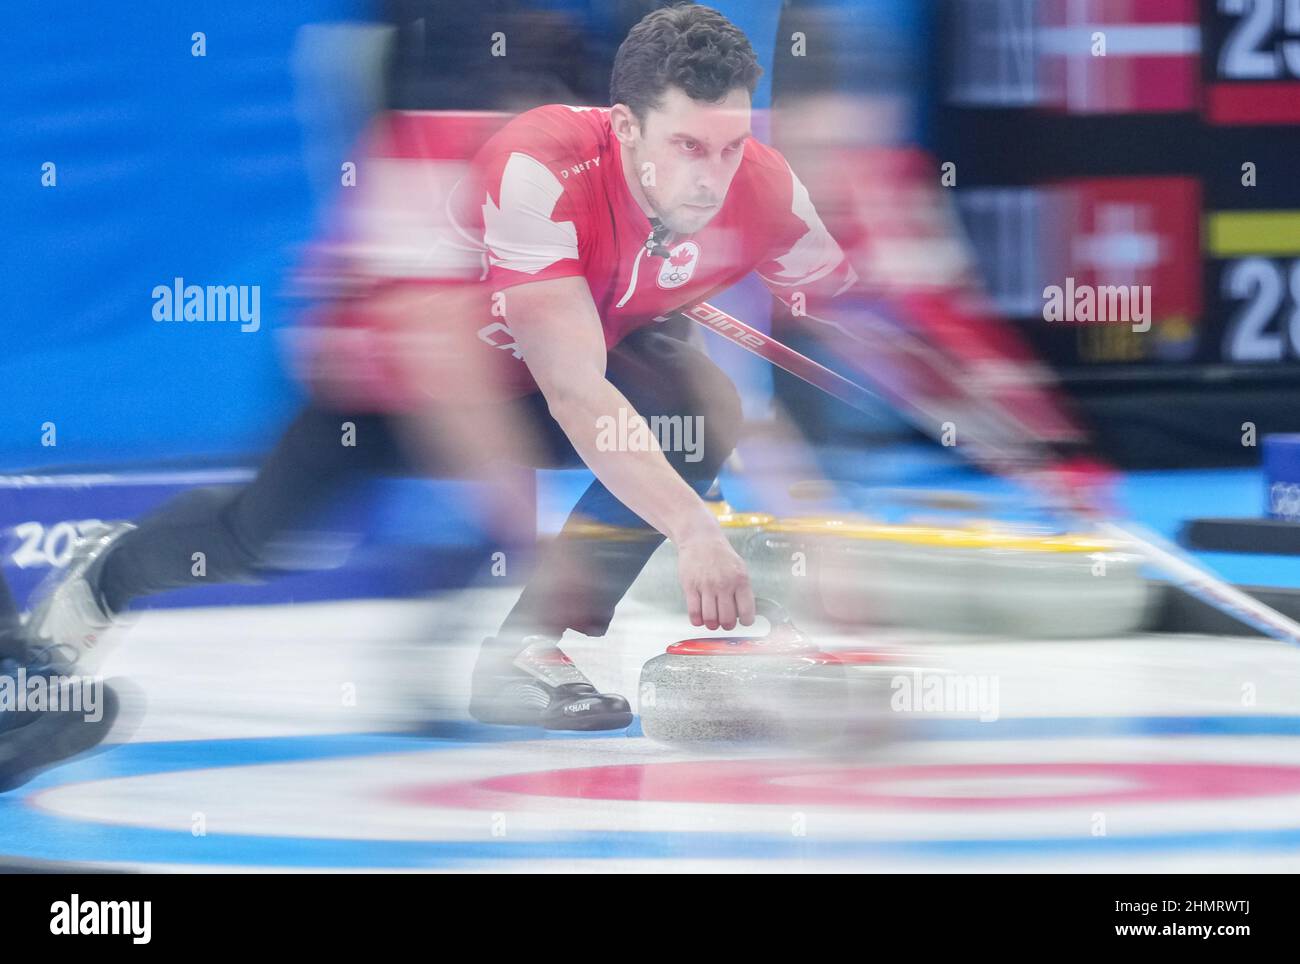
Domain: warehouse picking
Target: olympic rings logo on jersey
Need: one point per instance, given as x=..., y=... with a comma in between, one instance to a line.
x=679, y=266
x=1284, y=500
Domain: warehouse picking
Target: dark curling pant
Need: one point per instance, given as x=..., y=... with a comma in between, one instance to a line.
x=579, y=579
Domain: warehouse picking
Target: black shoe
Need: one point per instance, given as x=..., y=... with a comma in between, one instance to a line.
x=538, y=685
x=33, y=739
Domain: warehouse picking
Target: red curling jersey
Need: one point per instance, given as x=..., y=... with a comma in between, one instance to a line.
x=545, y=197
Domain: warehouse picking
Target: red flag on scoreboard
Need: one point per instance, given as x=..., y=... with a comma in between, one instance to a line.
x=1138, y=231
x=1120, y=56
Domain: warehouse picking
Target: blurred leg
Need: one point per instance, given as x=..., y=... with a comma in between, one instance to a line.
x=234, y=528
x=10, y=624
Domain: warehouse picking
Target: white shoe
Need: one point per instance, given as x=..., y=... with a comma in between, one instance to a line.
x=69, y=619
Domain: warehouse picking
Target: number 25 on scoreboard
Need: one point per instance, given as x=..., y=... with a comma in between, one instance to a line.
x=1263, y=43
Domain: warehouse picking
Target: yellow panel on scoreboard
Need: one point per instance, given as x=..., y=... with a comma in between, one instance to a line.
x=1232, y=233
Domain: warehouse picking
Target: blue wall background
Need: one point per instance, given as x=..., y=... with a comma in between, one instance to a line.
x=167, y=165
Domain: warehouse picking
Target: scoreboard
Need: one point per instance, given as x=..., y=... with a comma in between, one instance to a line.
x=1251, y=71
x=1151, y=143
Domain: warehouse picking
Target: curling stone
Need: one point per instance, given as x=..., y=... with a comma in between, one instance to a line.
x=976, y=578
x=658, y=582
x=779, y=688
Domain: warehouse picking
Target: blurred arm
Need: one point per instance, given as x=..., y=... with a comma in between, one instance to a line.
x=558, y=331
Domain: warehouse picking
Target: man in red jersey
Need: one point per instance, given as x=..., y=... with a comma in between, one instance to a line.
x=575, y=235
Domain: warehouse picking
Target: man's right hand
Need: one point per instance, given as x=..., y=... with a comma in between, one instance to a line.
x=715, y=581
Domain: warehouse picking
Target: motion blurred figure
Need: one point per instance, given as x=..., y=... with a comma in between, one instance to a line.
x=545, y=309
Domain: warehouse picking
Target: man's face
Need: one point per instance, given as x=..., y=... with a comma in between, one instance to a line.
x=685, y=154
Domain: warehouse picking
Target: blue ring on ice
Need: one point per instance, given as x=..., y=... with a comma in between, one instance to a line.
x=28, y=833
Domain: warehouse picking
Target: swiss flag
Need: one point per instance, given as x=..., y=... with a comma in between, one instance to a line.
x=1137, y=231
x=1151, y=60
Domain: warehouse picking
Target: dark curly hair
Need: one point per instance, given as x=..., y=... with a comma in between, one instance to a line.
x=687, y=46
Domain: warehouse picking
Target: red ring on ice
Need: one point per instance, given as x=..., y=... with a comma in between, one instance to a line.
x=794, y=783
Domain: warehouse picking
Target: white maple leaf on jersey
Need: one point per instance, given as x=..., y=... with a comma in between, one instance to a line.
x=520, y=235
x=815, y=253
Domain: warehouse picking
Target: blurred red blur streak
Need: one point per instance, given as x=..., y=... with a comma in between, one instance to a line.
x=1079, y=485
x=393, y=272
x=940, y=337
x=399, y=347
x=995, y=363
x=402, y=322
